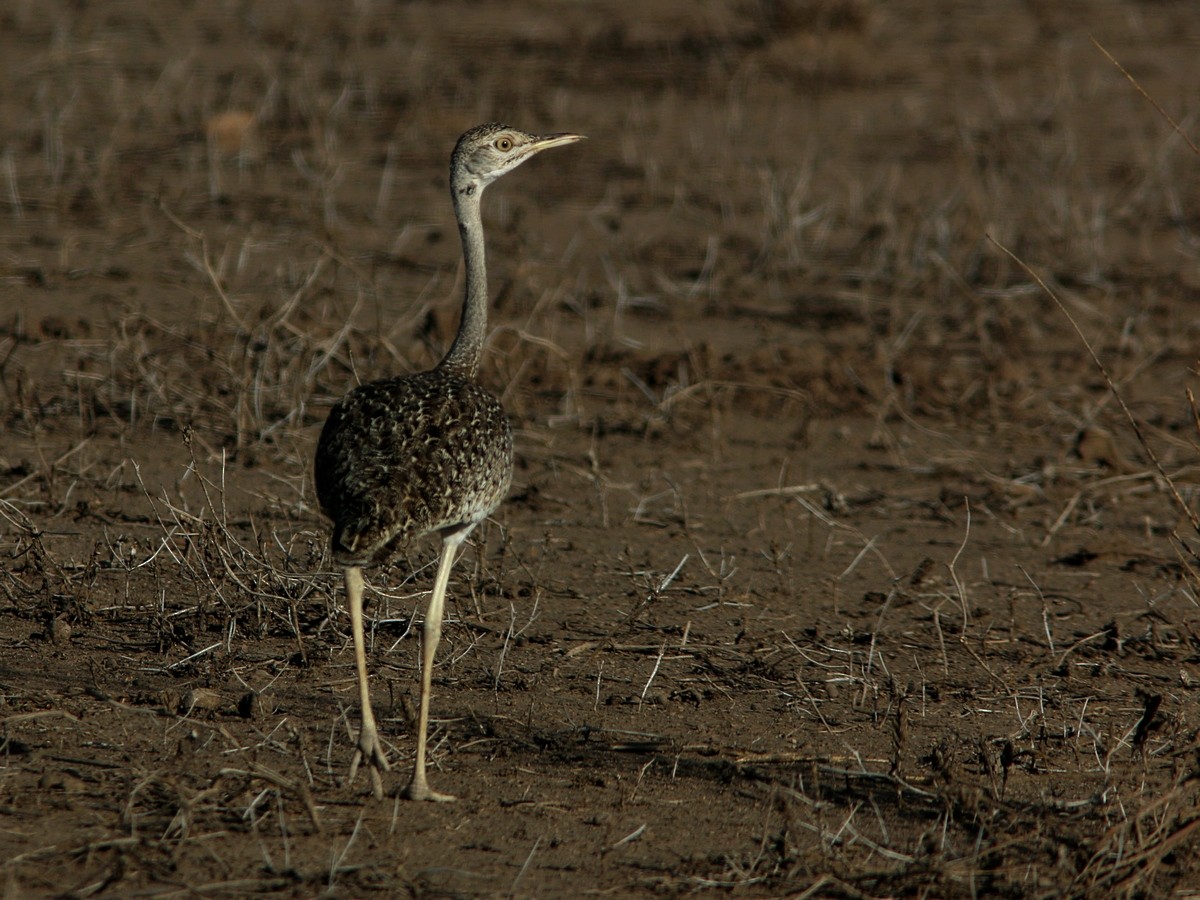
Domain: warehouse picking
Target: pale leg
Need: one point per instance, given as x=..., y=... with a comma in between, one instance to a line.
x=431, y=633
x=369, y=750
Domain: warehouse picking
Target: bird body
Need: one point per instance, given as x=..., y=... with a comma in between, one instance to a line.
x=410, y=456
x=423, y=454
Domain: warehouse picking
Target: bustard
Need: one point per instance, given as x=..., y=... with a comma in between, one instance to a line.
x=424, y=454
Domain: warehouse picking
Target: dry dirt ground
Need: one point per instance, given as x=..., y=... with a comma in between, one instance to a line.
x=832, y=565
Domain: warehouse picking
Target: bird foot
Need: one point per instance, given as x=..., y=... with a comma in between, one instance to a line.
x=370, y=750
x=420, y=790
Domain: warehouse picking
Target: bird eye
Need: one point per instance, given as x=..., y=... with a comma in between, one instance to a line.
x=504, y=144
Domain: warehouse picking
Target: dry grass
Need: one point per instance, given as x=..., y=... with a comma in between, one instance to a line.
x=832, y=568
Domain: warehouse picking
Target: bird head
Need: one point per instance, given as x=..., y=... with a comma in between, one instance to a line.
x=486, y=152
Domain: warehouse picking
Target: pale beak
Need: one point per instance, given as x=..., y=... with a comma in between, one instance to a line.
x=555, y=140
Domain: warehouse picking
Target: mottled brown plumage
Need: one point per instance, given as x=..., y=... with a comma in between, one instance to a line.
x=410, y=456
x=423, y=454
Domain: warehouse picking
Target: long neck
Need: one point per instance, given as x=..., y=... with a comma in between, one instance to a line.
x=463, y=356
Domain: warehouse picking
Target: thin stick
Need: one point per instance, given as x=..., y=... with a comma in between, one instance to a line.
x=1141, y=90
x=513, y=889
x=632, y=836
x=666, y=582
x=962, y=591
x=654, y=671
x=1045, y=612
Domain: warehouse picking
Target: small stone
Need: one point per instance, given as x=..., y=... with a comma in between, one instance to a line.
x=61, y=781
x=199, y=700
x=256, y=706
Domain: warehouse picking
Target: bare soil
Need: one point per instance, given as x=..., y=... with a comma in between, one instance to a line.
x=832, y=566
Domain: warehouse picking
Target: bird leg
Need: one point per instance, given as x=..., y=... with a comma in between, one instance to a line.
x=370, y=749
x=431, y=633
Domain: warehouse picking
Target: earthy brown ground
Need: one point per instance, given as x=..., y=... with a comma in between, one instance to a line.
x=831, y=567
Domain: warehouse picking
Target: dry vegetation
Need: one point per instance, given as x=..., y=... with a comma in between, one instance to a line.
x=833, y=565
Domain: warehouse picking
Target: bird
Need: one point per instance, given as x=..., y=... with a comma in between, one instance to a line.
x=426, y=454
